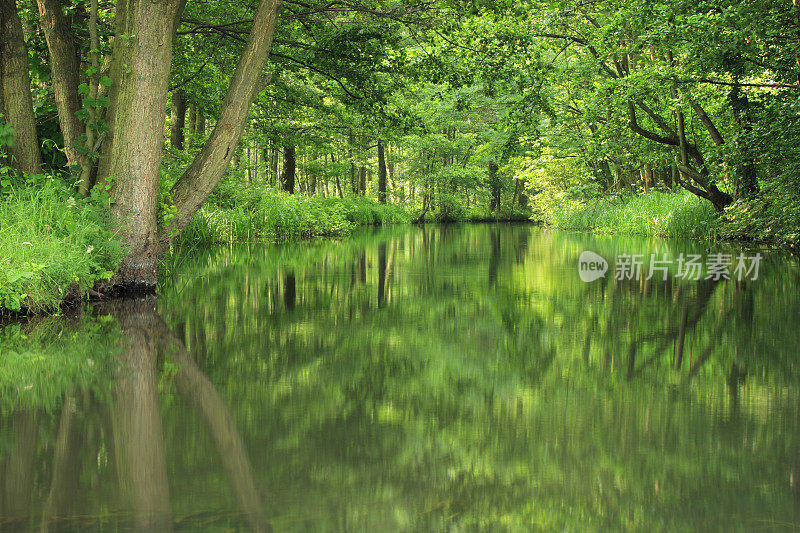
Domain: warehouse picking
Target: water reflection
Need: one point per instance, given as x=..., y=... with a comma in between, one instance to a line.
x=126, y=437
x=415, y=379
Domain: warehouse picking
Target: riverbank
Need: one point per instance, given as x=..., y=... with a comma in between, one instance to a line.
x=274, y=216
x=682, y=215
x=55, y=246
x=656, y=214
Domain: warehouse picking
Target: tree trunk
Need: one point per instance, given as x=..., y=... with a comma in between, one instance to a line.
x=64, y=69
x=362, y=180
x=353, y=182
x=289, y=167
x=191, y=124
x=66, y=470
x=514, y=198
x=495, y=187
x=200, y=126
x=137, y=432
x=390, y=168
x=208, y=167
x=202, y=396
x=17, y=483
x=289, y=291
x=178, y=119
x=713, y=132
x=381, y=174
x=274, y=164
x=15, y=86
x=267, y=162
x=88, y=170
x=140, y=70
x=382, y=275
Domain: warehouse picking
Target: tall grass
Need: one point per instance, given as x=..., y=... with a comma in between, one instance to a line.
x=53, y=245
x=276, y=216
x=659, y=214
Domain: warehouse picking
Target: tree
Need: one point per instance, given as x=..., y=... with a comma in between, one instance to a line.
x=15, y=91
x=289, y=166
x=381, y=173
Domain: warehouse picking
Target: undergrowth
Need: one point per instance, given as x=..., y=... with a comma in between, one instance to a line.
x=53, y=245
x=273, y=215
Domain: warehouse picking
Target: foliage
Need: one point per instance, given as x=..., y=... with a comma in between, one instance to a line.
x=53, y=245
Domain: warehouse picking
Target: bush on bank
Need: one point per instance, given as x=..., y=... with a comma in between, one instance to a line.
x=772, y=217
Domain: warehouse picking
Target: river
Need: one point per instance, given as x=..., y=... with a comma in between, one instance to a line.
x=445, y=378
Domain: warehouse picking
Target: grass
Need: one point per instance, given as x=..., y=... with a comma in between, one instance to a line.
x=53, y=246
x=278, y=216
x=659, y=214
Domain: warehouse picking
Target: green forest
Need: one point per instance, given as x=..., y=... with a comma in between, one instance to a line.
x=399, y=265
x=129, y=128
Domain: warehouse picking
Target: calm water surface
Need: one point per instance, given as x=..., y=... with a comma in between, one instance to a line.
x=458, y=378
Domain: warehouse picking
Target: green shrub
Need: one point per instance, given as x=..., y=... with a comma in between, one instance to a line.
x=772, y=217
x=450, y=209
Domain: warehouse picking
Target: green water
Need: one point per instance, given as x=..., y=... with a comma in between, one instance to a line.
x=458, y=378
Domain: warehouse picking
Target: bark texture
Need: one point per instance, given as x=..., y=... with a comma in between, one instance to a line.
x=289, y=168
x=140, y=69
x=64, y=71
x=15, y=87
x=178, y=119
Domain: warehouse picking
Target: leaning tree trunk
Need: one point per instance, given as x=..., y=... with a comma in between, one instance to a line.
x=199, y=180
x=140, y=71
x=15, y=87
